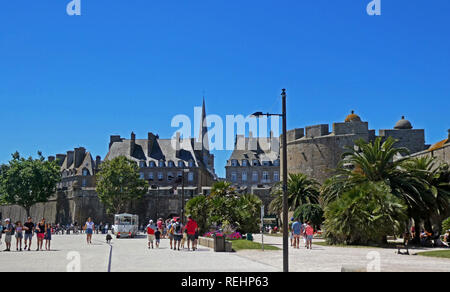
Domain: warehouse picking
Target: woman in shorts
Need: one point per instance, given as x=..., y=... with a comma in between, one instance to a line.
x=40, y=229
x=48, y=236
x=19, y=235
x=309, y=235
x=89, y=229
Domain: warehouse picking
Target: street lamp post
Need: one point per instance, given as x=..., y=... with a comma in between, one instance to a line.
x=285, y=180
x=182, y=194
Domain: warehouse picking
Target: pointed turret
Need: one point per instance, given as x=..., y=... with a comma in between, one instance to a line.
x=203, y=135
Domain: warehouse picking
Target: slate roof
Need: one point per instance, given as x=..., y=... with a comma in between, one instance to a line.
x=251, y=148
x=162, y=150
x=87, y=163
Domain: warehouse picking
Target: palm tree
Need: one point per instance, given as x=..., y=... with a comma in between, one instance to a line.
x=376, y=162
x=301, y=190
x=438, y=187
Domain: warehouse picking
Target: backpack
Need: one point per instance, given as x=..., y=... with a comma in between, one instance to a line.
x=178, y=228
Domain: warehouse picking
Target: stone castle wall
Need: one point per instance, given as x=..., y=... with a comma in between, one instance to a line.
x=76, y=206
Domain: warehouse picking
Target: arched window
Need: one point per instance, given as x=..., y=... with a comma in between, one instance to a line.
x=171, y=164
x=161, y=163
x=152, y=164
x=141, y=164
x=181, y=163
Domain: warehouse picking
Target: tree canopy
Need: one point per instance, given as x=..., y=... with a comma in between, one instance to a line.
x=26, y=182
x=118, y=183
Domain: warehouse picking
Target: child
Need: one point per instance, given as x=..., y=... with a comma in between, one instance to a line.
x=48, y=236
x=157, y=237
x=19, y=235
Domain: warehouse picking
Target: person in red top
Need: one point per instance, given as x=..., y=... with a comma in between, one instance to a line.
x=191, y=229
x=309, y=235
x=151, y=233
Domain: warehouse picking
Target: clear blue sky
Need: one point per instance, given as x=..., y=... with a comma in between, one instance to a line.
x=132, y=65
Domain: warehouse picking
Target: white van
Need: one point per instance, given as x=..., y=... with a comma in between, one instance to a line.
x=125, y=225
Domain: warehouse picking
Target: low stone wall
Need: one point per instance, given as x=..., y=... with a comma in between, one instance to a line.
x=209, y=242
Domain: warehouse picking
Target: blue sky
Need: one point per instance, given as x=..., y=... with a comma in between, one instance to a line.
x=132, y=65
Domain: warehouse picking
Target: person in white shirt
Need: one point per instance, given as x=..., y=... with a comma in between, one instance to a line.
x=89, y=228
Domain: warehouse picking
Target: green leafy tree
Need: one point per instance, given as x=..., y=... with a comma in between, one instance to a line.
x=365, y=214
x=26, y=182
x=446, y=224
x=301, y=190
x=198, y=208
x=119, y=183
x=226, y=208
x=310, y=212
x=249, y=210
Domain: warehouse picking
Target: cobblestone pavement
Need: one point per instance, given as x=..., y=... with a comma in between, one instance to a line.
x=125, y=255
x=332, y=259
x=133, y=255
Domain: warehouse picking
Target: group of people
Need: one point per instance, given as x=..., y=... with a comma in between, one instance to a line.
x=177, y=233
x=301, y=230
x=24, y=233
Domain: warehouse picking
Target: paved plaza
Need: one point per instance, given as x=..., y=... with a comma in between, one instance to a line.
x=127, y=255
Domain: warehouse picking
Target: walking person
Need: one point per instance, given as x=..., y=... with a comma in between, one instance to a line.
x=9, y=231
x=309, y=235
x=291, y=233
x=1, y=233
x=48, y=236
x=19, y=235
x=305, y=240
x=177, y=234
x=191, y=230
x=89, y=229
x=29, y=230
x=40, y=229
x=157, y=237
x=297, y=230
x=150, y=233
x=170, y=232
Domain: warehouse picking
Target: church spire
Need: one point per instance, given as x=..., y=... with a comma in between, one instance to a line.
x=203, y=135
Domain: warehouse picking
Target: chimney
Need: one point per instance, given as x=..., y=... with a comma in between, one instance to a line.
x=60, y=158
x=79, y=155
x=132, y=143
x=151, y=141
x=113, y=139
x=177, y=144
x=252, y=142
x=98, y=161
x=69, y=158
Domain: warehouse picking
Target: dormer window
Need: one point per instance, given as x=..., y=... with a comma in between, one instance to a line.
x=152, y=164
x=276, y=162
x=181, y=164
x=141, y=164
x=234, y=162
x=266, y=163
x=85, y=172
x=161, y=163
x=255, y=162
x=171, y=164
x=245, y=162
x=191, y=163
